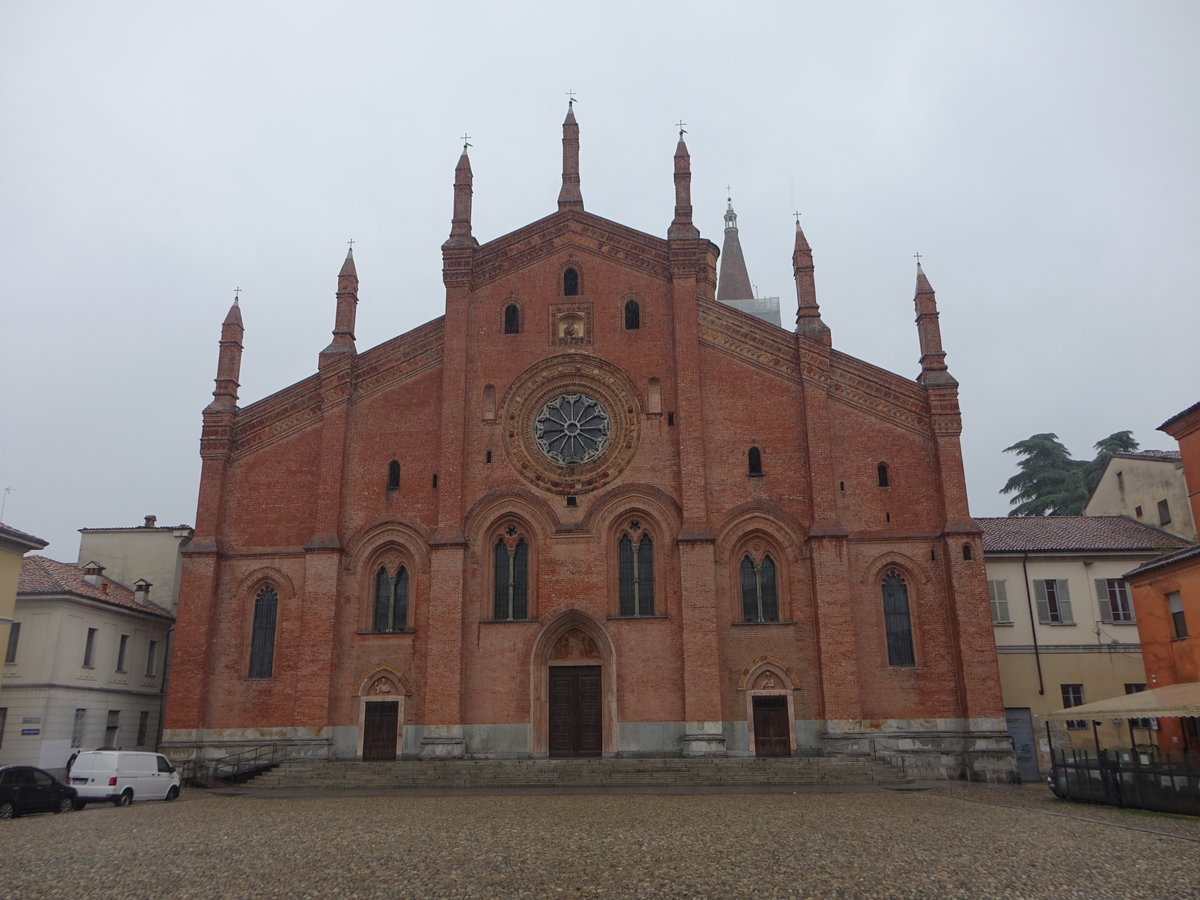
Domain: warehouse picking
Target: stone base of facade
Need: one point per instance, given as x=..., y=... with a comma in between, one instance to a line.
x=970, y=749
x=966, y=749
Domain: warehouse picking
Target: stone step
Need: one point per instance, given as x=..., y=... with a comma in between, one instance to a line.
x=598, y=773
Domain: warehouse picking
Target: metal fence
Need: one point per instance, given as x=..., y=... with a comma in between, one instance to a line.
x=1124, y=778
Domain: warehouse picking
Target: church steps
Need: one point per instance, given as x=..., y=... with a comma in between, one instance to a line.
x=594, y=773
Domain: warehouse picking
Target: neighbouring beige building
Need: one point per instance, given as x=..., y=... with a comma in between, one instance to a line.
x=148, y=552
x=14, y=545
x=1066, y=632
x=1147, y=485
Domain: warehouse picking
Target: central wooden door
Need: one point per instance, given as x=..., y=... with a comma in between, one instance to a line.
x=576, y=719
x=771, y=727
x=379, y=730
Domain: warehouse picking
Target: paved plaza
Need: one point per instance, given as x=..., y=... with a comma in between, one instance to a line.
x=948, y=841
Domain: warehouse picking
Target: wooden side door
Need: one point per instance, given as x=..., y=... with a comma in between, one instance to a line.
x=771, y=727
x=576, y=713
x=379, y=730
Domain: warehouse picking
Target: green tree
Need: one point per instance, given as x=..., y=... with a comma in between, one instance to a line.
x=1049, y=482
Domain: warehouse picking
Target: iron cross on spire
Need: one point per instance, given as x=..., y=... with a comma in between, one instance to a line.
x=681, y=123
x=917, y=257
x=466, y=138
x=570, y=98
x=797, y=215
x=351, y=243
x=236, y=292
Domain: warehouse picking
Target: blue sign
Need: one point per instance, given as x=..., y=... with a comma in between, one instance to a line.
x=31, y=731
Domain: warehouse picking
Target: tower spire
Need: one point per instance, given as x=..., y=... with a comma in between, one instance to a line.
x=733, y=281
x=460, y=223
x=933, y=357
x=808, y=313
x=229, y=361
x=570, y=197
x=346, y=308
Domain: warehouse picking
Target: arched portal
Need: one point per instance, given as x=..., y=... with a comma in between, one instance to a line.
x=770, y=713
x=573, y=689
x=381, y=715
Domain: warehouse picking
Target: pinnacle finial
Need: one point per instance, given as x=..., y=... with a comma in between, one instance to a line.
x=682, y=130
x=466, y=139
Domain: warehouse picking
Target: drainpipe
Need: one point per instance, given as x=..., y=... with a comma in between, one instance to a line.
x=1033, y=624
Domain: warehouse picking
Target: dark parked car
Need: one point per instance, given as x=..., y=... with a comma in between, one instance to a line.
x=24, y=789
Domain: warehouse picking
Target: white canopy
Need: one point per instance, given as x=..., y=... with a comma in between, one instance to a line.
x=1172, y=700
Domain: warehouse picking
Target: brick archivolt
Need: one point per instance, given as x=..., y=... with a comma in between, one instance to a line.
x=907, y=566
x=252, y=582
x=382, y=680
x=769, y=523
x=529, y=511
x=403, y=540
x=758, y=675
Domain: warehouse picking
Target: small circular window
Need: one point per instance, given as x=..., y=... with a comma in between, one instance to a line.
x=572, y=429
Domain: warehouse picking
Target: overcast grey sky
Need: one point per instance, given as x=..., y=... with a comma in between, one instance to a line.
x=1042, y=156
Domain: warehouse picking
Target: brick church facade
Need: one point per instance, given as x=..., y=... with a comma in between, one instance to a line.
x=588, y=511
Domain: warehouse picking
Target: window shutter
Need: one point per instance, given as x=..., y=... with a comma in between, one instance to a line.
x=1043, y=604
x=999, y=597
x=1106, y=612
x=1064, y=603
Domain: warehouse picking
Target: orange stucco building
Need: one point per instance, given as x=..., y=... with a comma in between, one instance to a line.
x=591, y=510
x=1166, y=596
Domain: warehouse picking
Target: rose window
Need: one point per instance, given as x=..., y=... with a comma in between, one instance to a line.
x=572, y=429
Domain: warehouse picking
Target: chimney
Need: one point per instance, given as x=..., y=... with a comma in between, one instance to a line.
x=141, y=591
x=150, y=520
x=92, y=574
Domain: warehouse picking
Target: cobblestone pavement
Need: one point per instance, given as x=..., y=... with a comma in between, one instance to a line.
x=950, y=841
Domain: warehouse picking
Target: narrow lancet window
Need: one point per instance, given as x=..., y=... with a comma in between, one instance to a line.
x=760, y=600
x=636, y=574
x=510, y=598
x=391, y=600
x=755, y=462
x=393, y=481
x=882, y=472
x=262, y=635
x=512, y=319
x=633, y=316
x=570, y=283
x=897, y=621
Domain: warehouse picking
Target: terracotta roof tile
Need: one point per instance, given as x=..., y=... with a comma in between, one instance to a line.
x=41, y=576
x=1160, y=455
x=1041, y=534
x=1170, y=559
x=22, y=537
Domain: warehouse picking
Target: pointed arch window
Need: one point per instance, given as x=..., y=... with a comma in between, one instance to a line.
x=754, y=460
x=393, y=481
x=760, y=599
x=881, y=472
x=897, y=621
x=510, y=598
x=633, y=315
x=391, y=600
x=571, y=283
x=262, y=634
x=512, y=319
x=635, y=563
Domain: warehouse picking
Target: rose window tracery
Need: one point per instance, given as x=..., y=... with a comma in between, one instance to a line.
x=572, y=429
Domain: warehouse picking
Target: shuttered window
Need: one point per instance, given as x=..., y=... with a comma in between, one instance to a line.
x=262, y=637
x=999, y=597
x=14, y=638
x=897, y=621
x=1112, y=596
x=1178, y=619
x=1053, y=601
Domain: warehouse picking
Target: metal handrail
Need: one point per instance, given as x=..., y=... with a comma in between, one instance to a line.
x=245, y=760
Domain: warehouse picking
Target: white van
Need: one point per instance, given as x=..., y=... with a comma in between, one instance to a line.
x=123, y=776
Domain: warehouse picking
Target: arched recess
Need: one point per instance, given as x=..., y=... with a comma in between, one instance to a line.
x=918, y=587
x=767, y=677
x=573, y=638
x=390, y=545
x=382, y=696
x=639, y=509
x=248, y=590
x=510, y=517
x=756, y=531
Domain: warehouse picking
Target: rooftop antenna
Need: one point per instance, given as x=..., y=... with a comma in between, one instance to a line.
x=4, y=502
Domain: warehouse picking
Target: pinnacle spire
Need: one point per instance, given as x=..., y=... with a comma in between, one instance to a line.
x=681, y=225
x=460, y=222
x=570, y=197
x=229, y=361
x=345, y=310
x=808, y=312
x=933, y=357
